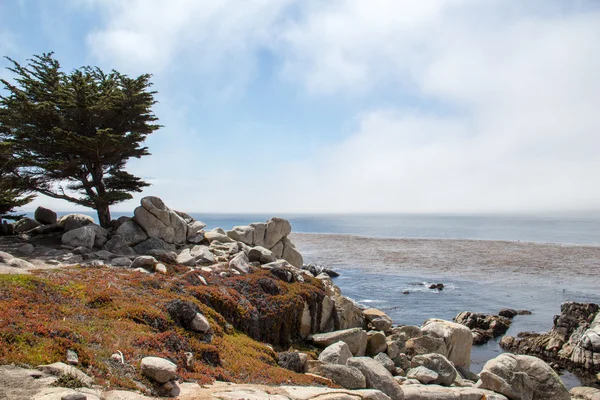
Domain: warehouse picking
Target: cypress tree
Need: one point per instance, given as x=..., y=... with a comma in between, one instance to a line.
x=73, y=133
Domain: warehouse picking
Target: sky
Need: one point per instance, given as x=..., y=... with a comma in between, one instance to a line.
x=343, y=106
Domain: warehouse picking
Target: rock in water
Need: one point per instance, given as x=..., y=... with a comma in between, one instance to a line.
x=158, y=369
x=573, y=342
x=523, y=378
x=483, y=326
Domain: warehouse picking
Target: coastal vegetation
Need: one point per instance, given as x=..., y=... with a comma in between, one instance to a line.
x=98, y=312
x=69, y=135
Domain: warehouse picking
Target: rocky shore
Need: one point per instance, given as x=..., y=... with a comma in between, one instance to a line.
x=155, y=305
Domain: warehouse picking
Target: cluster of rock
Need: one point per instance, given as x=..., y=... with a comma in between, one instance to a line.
x=573, y=342
x=413, y=363
x=487, y=326
x=157, y=231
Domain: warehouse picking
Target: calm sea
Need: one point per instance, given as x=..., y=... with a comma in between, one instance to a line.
x=583, y=228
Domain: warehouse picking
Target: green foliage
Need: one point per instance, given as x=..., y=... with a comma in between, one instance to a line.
x=73, y=133
x=13, y=190
x=69, y=381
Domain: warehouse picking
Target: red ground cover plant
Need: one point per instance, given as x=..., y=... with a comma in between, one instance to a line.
x=99, y=311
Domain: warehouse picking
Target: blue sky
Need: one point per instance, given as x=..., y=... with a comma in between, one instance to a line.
x=346, y=105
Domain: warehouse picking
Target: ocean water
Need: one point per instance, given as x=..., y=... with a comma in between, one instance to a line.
x=579, y=228
x=583, y=228
x=385, y=292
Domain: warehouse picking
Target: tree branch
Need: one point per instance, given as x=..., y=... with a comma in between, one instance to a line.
x=63, y=196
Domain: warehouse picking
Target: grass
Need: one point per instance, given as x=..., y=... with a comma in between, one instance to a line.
x=99, y=311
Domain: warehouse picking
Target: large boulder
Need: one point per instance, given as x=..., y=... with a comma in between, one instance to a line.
x=159, y=221
x=520, y=377
x=439, y=364
x=101, y=235
x=25, y=224
x=240, y=263
x=376, y=343
x=132, y=233
x=290, y=254
x=336, y=353
x=217, y=234
x=84, y=236
x=425, y=345
x=118, y=245
x=261, y=255
x=151, y=244
x=45, y=216
x=258, y=235
x=158, y=369
x=276, y=229
x=377, y=377
x=343, y=375
x=457, y=338
x=73, y=221
x=355, y=338
x=195, y=231
x=348, y=313
x=379, y=320
x=244, y=234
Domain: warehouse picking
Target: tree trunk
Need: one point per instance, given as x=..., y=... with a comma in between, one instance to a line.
x=103, y=215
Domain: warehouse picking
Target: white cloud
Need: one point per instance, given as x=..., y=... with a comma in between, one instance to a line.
x=506, y=118
x=200, y=35
x=522, y=132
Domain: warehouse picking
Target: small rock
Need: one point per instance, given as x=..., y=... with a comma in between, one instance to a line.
x=161, y=269
x=72, y=357
x=121, y=262
x=45, y=216
x=422, y=374
x=384, y=360
x=147, y=262
x=290, y=360
x=74, y=396
x=158, y=369
x=508, y=313
x=26, y=250
x=80, y=250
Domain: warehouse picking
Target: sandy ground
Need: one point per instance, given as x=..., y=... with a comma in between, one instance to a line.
x=514, y=262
